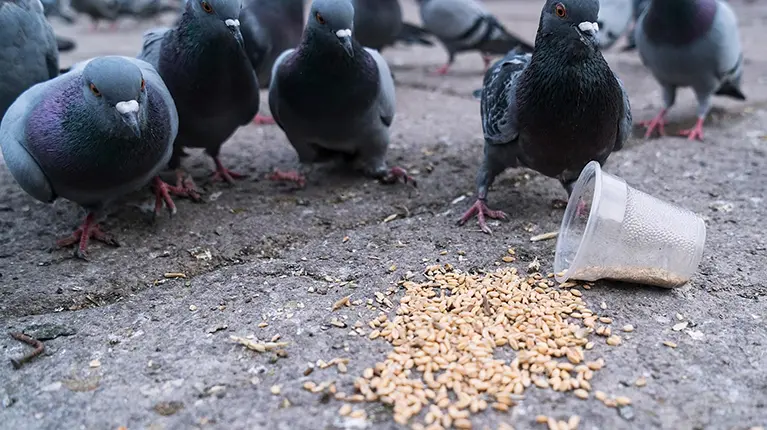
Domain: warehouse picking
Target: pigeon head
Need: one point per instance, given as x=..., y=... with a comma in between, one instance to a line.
x=573, y=22
x=332, y=21
x=218, y=15
x=116, y=89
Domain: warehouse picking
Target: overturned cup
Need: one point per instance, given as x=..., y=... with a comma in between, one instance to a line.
x=612, y=231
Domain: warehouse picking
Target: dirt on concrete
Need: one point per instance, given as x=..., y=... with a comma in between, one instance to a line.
x=129, y=347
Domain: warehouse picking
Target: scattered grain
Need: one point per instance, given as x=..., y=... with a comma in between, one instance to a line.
x=614, y=340
x=641, y=381
x=343, y=301
x=622, y=400
x=345, y=410
x=541, y=419
x=275, y=389
x=669, y=344
x=628, y=328
x=581, y=393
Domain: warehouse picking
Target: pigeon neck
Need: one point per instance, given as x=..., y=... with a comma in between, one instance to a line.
x=678, y=22
x=327, y=55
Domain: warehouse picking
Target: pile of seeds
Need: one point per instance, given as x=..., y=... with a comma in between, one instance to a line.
x=448, y=330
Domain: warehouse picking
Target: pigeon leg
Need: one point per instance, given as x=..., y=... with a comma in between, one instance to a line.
x=163, y=192
x=113, y=26
x=398, y=173
x=487, y=59
x=185, y=186
x=442, y=71
x=89, y=229
x=695, y=132
x=656, y=123
x=288, y=176
x=487, y=173
x=224, y=174
x=94, y=25
x=263, y=120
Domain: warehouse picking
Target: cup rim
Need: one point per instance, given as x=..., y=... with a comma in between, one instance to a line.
x=592, y=169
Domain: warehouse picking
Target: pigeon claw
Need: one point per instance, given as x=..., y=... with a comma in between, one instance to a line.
x=398, y=173
x=442, y=71
x=290, y=176
x=695, y=133
x=657, y=123
x=480, y=209
x=263, y=120
x=224, y=174
x=80, y=237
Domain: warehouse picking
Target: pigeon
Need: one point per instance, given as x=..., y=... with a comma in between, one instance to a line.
x=637, y=8
x=98, y=10
x=146, y=9
x=54, y=8
x=614, y=19
x=333, y=97
x=28, y=51
x=378, y=24
x=466, y=25
x=554, y=110
x=204, y=65
x=269, y=27
x=102, y=130
x=691, y=43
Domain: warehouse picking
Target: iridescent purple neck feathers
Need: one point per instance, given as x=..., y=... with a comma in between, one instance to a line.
x=678, y=22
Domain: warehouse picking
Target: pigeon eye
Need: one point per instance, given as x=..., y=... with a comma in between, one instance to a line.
x=560, y=10
x=143, y=84
x=207, y=7
x=320, y=19
x=95, y=90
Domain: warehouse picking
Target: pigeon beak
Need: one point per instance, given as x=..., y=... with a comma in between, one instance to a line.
x=588, y=33
x=345, y=37
x=129, y=114
x=234, y=26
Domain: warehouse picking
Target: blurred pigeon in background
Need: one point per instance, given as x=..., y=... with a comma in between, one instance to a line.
x=54, y=8
x=269, y=27
x=637, y=9
x=691, y=43
x=203, y=62
x=98, y=10
x=553, y=111
x=378, y=24
x=466, y=25
x=143, y=10
x=332, y=97
x=28, y=51
x=614, y=19
x=102, y=130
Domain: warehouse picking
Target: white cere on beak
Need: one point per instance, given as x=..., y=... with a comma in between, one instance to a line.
x=589, y=26
x=345, y=32
x=232, y=22
x=127, y=107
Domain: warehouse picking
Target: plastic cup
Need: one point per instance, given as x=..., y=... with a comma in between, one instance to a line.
x=623, y=234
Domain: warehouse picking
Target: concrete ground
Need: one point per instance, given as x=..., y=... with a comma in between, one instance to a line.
x=263, y=252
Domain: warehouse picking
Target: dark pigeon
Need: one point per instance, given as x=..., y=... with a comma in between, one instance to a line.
x=269, y=27
x=378, y=24
x=203, y=63
x=637, y=9
x=691, y=43
x=102, y=130
x=333, y=97
x=467, y=25
x=28, y=52
x=98, y=10
x=555, y=110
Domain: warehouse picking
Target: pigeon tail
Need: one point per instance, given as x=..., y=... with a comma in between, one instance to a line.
x=729, y=89
x=412, y=34
x=492, y=44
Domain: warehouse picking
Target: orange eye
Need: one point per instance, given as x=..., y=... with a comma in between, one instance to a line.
x=143, y=84
x=207, y=7
x=95, y=90
x=560, y=10
x=319, y=17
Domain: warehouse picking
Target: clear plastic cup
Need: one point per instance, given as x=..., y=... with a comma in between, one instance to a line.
x=612, y=231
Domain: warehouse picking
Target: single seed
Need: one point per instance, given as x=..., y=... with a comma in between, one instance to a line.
x=541, y=419
x=605, y=320
x=581, y=393
x=573, y=422
x=345, y=410
x=628, y=328
x=275, y=389
x=669, y=344
x=600, y=395
x=614, y=340
x=641, y=381
x=622, y=400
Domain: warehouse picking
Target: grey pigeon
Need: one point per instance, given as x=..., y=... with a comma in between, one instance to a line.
x=204, y=65
x=691, y=43
x=142, y=10
x=333, y=97
x=614, y=19
x=269, y=27
x=28, y=52
x=552, y=111
x=466, y=25
x=378, y=24
x=637, y=9
x=54, y=8
x=98, y=10
x=102, y=130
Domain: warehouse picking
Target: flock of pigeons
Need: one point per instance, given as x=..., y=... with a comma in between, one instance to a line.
x=110, y=125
